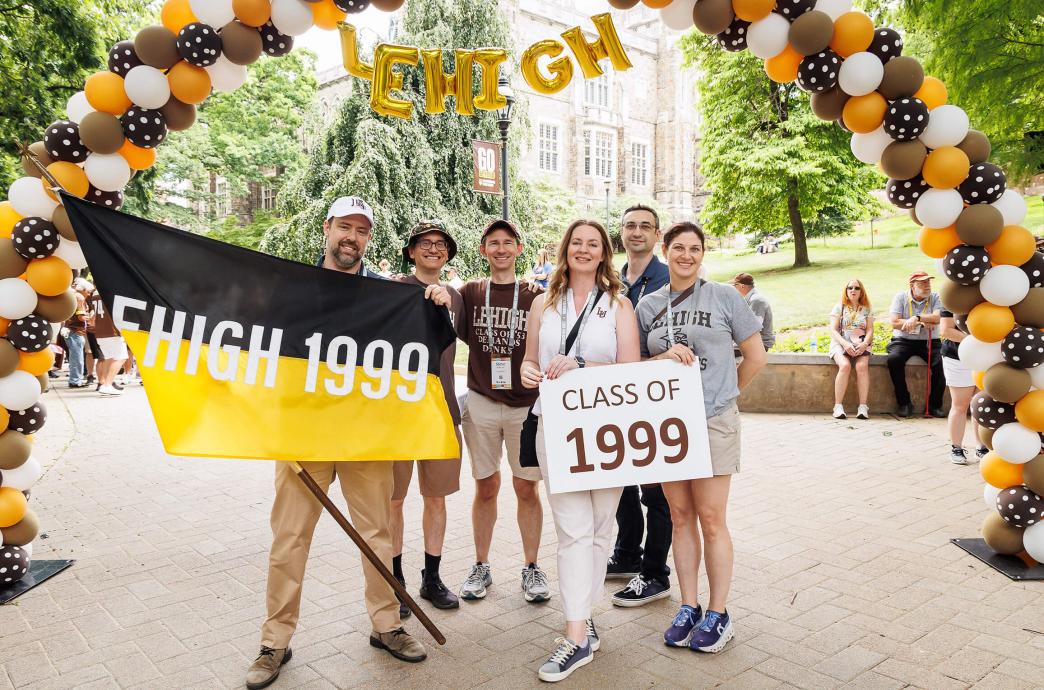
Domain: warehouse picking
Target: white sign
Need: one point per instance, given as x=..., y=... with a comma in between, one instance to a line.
x=625, y=424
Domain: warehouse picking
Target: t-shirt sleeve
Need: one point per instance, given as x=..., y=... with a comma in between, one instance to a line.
x=836, y=311
x=897, y=304
x=946, y=314
x=644, y=314
x=936, y=304
x=742, y=320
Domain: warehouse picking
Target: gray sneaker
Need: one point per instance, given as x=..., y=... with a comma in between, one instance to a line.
x=592, y=635
x=958, y=456
x=265, y=669
x=534, y=584
x=566, y=658
x=478, y=579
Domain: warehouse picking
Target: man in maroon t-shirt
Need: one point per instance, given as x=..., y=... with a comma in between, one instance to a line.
x=496, y=311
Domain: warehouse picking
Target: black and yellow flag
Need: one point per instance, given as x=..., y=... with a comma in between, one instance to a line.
x=245, y=355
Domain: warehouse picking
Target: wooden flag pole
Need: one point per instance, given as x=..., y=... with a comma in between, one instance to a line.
x=341, y=520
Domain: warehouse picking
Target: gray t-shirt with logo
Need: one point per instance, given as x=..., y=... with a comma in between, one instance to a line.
x=710, y=321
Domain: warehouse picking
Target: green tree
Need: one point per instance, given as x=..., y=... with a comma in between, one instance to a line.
x=767, y=160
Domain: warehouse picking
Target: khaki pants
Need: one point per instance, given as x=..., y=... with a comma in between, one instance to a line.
x=367, y=486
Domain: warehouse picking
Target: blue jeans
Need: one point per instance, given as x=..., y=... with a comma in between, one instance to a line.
x=76, y=367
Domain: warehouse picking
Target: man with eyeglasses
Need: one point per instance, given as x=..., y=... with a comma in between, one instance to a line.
x=645, y=568
x=429, y=248
x=915, y=317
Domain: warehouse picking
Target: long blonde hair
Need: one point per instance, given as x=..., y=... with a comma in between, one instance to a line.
x=607, y=278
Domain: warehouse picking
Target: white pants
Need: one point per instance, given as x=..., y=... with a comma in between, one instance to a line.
x=584, y=522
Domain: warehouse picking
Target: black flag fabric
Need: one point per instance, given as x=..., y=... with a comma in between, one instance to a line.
x=245, y=355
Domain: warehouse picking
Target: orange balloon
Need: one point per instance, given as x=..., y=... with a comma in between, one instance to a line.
x=177, y=14
x=977, y=377
x=5, y=418
x=50, y=277
x=1030, y=411
x=326, y=14
x=252, y=12
x=36, y=363
x=783, y=68
x=655, y=4
x=853, y=33
x=932, y=93
x=864, y=114
x=70, y=176
x=998, y=472
x=937, y=242
x=13, y=505
x=137, y=158
x=188, y=83
x=106, y=94
x=990, y=323
x=946, y=167
x=1014, y=247
x=8, y=218
x=4, y=323
x=750, y=10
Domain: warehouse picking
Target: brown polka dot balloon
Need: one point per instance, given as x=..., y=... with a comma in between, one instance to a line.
x=991, y=413
x=1020, y=506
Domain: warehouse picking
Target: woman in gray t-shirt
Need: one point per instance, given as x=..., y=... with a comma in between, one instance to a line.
x=693, y=321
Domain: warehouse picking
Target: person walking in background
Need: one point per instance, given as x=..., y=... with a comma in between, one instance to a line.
x=76, y=334
x=110, y=344
x=384, y=268
x=851, y=339
x=915, y=316
x=541, y=269
x=744, y=283
x=962, y=388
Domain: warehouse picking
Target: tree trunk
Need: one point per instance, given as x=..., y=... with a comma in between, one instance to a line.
x=800, y=242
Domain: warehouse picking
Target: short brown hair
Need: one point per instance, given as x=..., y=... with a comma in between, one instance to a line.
x=743, y=279
x=683, y=227
x=643, y=207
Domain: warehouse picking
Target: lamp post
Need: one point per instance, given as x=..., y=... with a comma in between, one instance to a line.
x=608, y=186
x=504, y=121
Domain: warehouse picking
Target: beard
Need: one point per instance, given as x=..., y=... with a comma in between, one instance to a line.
x=345, y=256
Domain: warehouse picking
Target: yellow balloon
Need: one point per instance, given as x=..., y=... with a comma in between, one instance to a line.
x=752, y=10
x=12, y=506
x=50, y=277
x=607, y=45
x=657, y=4
x=561, y=70
x=438, y=85
x=932, y=93
x=945, y=167
x=326, y=14
x=386, y=80
x=8, y=218
x=70, y=176
x=488, y=60
x=36, y=363
x=990, y=323
x=177, y=14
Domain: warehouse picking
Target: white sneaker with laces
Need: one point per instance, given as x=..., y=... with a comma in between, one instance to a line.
x=839, y=411
x=478, y=579
x=957, y=456
x=109, y=390
x=864, y=412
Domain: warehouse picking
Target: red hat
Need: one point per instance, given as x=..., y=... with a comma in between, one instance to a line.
x=918, y=275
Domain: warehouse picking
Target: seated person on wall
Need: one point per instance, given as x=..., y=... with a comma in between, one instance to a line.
x=851, y=338
x=915, y=317
x=744, y=284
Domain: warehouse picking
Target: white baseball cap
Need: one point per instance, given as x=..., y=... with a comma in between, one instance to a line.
x=350, y=206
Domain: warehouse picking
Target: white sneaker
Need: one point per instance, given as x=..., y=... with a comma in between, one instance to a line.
x=839, y=411
x=109, y=390
x=864, y=412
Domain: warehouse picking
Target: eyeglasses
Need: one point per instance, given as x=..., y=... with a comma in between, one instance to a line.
x=645, y=227
x=441, y=245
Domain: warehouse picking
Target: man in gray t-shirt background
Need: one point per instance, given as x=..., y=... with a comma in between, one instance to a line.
x=915, y=316
x=744, y=284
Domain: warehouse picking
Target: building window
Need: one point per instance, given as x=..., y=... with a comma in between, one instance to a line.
x=548, y=147
x=222, y=199
x=596, y=92
x=598, y=154
x=267, y=197
x=639, y=164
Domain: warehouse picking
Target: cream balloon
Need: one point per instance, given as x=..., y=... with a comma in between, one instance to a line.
x=147, y=87
x=939, y=208
x=24, y=476
x=1037, y=377
x=1015, y=443
x=109, y=173
x=216, y=13
x=70, y=252
x=1004, y=286
x=29, y=199
x=834, y=8
x=1033, y=541
x=860, y=74
x=1012, y=207
x=947, y=126
x=291, y=17
x=227, y=76
x=767, y=38
x=17, y=299
x=77, y=108
x=977, y=355
x=19, y=390
x=989, y=494
x=678, y=15
x=869, y=147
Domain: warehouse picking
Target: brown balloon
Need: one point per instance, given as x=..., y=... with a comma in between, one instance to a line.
x=15, y=449
x=1030, y=311
x=1000, y=536
x=1006, y=383
x=57, y=309
x=40, y=151
x=8, y=357
x=914, y=218
x=101, y=132
x=710, y=16
x=829, y=105
x=179, y=116
x=902, y=160
x=985, y=435
x=392, y=5
x=626, y=4
x=960, y=299
x=12, y=264
x=977, y=147
x=811, y=32
x=60, y=219
x=241, y=44
x=1032, y=475
x=903, y=75
x=24, y=531
x=157, y=46
x=979, y=225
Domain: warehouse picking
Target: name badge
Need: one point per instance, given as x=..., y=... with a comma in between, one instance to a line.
x=501, y=373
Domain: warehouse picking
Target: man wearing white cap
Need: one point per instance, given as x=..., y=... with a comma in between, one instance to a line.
x=367, y=487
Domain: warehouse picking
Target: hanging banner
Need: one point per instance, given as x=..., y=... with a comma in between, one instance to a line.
x=245, y=355
x=486, y=164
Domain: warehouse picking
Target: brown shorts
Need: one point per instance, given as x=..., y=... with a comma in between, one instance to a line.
x=438, y=478
x=723, y=432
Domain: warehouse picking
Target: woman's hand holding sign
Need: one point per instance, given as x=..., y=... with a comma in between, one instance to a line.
x=679, y=353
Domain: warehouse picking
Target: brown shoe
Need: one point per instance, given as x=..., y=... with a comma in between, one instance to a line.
x=400, y=644
x=265, y=669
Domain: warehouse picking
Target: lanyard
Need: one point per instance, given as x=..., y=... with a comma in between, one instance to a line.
x=909, y=299
x=694, y=291
x=489, y=319
x=588, y=308
x=645, y=284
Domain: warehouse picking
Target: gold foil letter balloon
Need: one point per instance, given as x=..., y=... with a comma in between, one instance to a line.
x=607, y=46
x=560, y=69
x=350, y=53
x=386, y=80
x=488, y=60
x=438, y=85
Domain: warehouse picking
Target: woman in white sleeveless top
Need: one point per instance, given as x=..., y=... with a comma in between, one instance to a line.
x=584, y=286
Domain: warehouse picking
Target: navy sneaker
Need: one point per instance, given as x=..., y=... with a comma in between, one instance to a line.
x=620, y=570
x=566, y=658
x=592, y=635
x=713, y=633
x=684, y=623
x=640, y=591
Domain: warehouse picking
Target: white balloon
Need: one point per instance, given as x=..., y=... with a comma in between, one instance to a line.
x=24, y=476
x=70, y=252
x=939, y=208
x=767, y=37
x=225, y=75
x=861, y=74
x=28, y=198
x=17, y=299
x=1012, y=207
x=77, y=108
x=19, y=390
x=834, y=8
x=217, y=13
x=678, y=15
x=1015, y=443
x=291, y=17
x=28, y=548
x=977, y=355
x=1005, y=285
x=1033, y=541
x=989, y=494
x=147, y=87
x=947, y=126
x=1037, y=377
x=869, y=147
x=109, y=172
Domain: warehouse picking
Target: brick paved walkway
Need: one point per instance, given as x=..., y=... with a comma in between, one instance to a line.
x=844, y=575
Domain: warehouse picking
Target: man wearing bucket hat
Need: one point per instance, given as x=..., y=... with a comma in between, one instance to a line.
x=915, y=316
x=429, y=248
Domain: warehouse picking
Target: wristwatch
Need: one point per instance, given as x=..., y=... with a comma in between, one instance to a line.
x=918, y=316
x=580, y=361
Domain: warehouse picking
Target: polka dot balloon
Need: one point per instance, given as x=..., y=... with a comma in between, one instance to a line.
x=123, y=59
x=990, y=413
x=905, y=193
x=14, y=564
x=144, y=128
x=29, y=420
x=62, y=141
x=905, y=119
x=30, y=334
x=734, y=38
x=275, y=43
x=34, y=238
x=199, y=44
x=1023, y=348
x=113, y=200
x=887, y=44
x=352, y=6
x=1034, y=269
x=792, y=9
x=985, y=184
x=1020, y=506
x=818, y=73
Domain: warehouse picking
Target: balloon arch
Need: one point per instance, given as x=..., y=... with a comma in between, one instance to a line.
x=856, y=75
